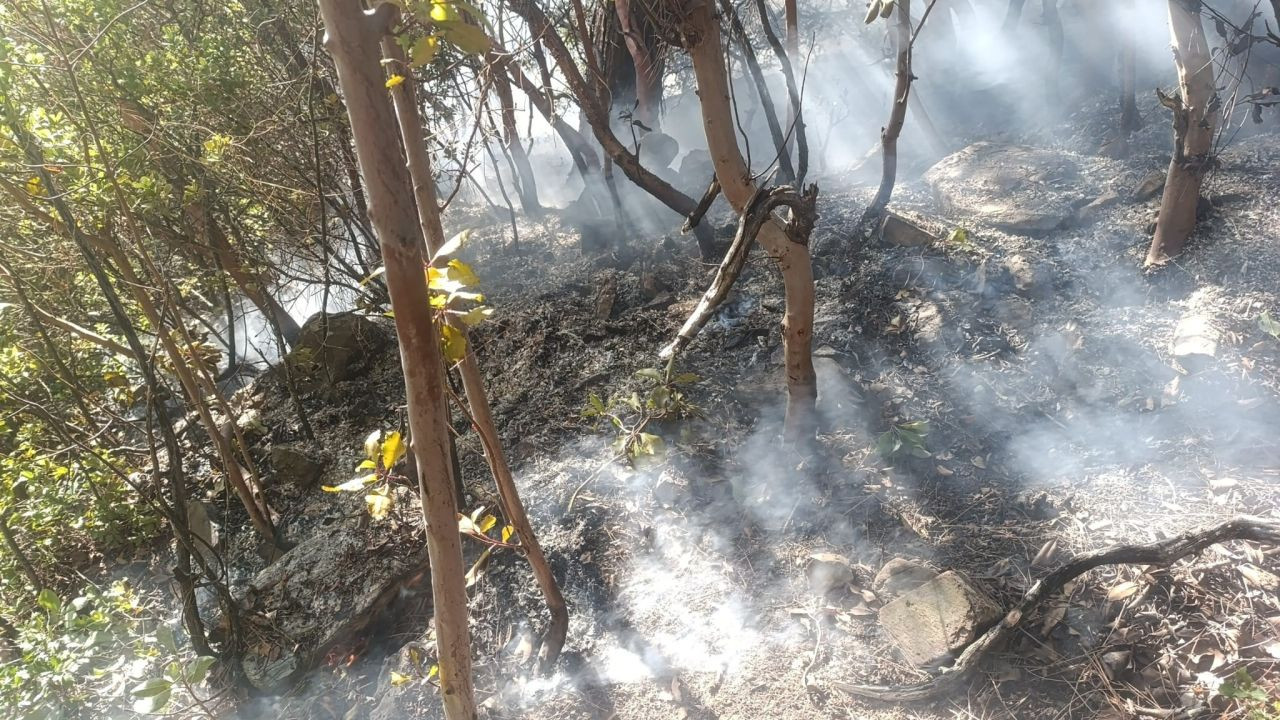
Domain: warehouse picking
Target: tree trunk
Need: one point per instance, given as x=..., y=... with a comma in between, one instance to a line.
x=424, y=191
x=791, y=256
x=526, y=185
x=791, y=15
x=898, y=114
x=1130, y=120
x=598, y=118
x=352, y=38
x=1195, y=119
x=648, y=66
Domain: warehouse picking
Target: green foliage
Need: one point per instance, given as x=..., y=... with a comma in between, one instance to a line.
x=1269, y=325
x=904, y=438
x=1257, y=702
x=94, y=654
x=655, y=396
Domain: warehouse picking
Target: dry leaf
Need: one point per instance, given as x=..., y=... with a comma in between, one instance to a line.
x=1123, y=590
x=1262, y=578
x=1052, y=617
x=1047, y=552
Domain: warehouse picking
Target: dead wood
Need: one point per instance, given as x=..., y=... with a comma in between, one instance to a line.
x=708, y=197
x=1161, y=553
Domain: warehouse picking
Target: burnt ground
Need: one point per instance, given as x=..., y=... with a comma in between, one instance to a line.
x=1058, y=422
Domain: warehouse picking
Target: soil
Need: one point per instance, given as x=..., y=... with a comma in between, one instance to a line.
x=1058, y=421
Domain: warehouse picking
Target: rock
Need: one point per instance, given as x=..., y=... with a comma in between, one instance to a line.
x=319, y=596
x=1195, y=343
x=900, y=575
x=1021, y=272
x=898, y=230
x=696, y=171
x=1019, y=189
x=1014, y=312
x=335, y=347
x=1149, y=187
x=294, y=464
x=828, y=571
x=1093, y=210
x=939, y=618
x=657, y=150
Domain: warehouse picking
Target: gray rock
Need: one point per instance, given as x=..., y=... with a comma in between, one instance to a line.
x=939, y=618
x=1093, y=210
x=335, y=347
x=1019, y=189
x=319, y=595
x=900, y=575
x=898, y=230
x=1022, y=273
x=294, y=464
x=1195, y=342
x=1149, y=187
x=828, y=571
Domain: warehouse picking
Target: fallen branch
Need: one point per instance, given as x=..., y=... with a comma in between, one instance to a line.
x=1163, y=552
x=754, y=215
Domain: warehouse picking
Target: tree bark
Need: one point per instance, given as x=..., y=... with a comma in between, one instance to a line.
x=352, y=38
x=791, y=256
x=898, y=113
x=1130, y=120
x=526, y=184
x=1195, y=120
x=424, y=191
x=648, y=67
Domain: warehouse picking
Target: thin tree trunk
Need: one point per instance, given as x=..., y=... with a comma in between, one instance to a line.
x=648, y=67
x=1013, y=15
x=598, y=119
x=791, y=256
x=791, y=15
x=797, y=128
x=1195, y=119
x=781, y=141
x=353, y=37
x=898, y=113
x=526, y=184
x=1130, y=120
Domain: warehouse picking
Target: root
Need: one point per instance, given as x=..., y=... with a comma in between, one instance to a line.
x=1163, y=552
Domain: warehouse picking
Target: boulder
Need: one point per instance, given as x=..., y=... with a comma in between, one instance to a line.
x=295, y=464
x=900, y=575
x=333, y=347
x=318, y=596
x=938, y=618
x=1018, y=189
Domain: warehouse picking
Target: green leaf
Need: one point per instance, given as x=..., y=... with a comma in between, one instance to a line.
x=165, y=638
x=48, y=600
x=398, y=679
x=198, y=669
x=686, y=378
x=650, y=374
x=152, y=695
x=475, y=316
x=1269, y=325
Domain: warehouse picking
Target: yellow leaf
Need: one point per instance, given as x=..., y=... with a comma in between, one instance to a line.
x=33, y=187
x=379, y=505
x=434, y=671
x=424, y=50
x=486, y=523
x=475, y=316
x=507, y=532
x=367, y=465
x=455, y=344
x=451, y=246
x=398, y=679
x=394, y=80
x=392, y=450
x=371, y=444
x=443, y=12
x=351, y=485
x=462, y=273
